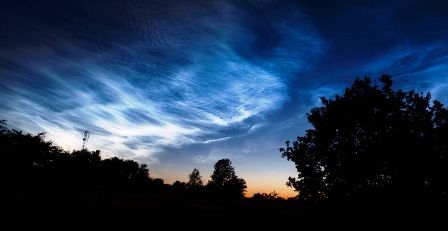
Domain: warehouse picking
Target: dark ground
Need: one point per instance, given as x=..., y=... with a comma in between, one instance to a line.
x=160, y=212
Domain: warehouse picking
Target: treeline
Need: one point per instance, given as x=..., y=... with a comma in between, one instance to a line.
x=39, y=181
x=29, y=161
x=30, y=164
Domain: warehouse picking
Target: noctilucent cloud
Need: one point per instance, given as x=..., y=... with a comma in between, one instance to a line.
x=181, y=84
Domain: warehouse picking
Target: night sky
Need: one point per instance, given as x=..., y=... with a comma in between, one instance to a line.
x=181, y=84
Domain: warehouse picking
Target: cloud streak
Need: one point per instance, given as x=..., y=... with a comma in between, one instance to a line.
x=186, y=78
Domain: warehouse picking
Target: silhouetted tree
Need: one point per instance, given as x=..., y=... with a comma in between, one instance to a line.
x=372, y=142
x=225, y=181
x=157, y=183
x=28, y=160
x=25, y=159
x=179, y=186
x=3, y=127
x=272, y=196
x=195, y=179
x=120, y=172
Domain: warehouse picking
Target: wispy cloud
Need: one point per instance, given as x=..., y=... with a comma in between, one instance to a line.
x=217, y=140
x=209, y=158
x=418, y=67
x=180, y=79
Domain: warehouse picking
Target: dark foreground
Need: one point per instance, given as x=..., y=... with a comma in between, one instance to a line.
x=152, y=210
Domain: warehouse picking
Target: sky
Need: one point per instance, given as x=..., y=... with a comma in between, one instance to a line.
x=179, y=85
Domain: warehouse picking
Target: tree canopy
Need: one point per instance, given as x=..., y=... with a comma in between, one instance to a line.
x=195, y=179
x=28, y=160
x=372, y=142
x=225, y=180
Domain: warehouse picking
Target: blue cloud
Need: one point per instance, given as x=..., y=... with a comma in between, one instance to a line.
x=196, y=76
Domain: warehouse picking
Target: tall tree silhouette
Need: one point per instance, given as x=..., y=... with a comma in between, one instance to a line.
x=225, y=180
x=372, y=142
x=195, y=179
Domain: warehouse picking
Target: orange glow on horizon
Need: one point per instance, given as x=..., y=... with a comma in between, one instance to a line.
x=281, y=190
x=285, y=192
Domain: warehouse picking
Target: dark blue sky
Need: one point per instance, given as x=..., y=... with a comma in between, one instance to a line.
x=181, y=84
